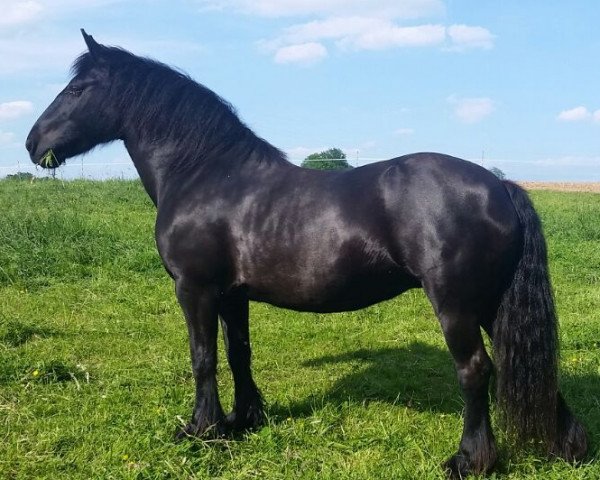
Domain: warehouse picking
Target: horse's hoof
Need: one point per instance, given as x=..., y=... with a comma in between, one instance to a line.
x=460, y=465
x=253, y=420
x=207, y=432
x=184, y=433
x=572, y=443
x=231, y=421
x=457, y=466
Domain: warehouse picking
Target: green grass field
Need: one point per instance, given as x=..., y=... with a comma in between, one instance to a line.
x=95, y=375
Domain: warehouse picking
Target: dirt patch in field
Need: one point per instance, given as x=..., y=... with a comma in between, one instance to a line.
x=593, y=187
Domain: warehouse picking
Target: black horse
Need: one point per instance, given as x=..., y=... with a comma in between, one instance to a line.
x=237, y=222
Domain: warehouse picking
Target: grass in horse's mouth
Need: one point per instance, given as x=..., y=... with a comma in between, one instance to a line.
x=49, y=160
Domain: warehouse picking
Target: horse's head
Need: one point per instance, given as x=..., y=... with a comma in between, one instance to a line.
x=80, y=116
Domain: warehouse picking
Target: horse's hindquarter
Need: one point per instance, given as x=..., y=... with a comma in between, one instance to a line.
x=454, y=222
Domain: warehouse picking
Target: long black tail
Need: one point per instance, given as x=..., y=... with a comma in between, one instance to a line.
x=526, y=337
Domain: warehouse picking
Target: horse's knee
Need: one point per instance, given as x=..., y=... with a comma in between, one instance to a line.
x=204, y=365
x=474, y=373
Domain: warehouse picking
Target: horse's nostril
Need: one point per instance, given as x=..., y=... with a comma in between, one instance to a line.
x=29, y=144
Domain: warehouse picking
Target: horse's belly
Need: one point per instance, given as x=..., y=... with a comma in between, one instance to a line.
x=333, y=294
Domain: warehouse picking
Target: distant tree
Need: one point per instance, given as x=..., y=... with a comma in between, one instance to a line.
x=20, y=176
x=499, y=173
x=332, y=159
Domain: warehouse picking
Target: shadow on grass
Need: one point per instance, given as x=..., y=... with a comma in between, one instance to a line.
x=422, y=377
x=14, y=333
x=418, y=376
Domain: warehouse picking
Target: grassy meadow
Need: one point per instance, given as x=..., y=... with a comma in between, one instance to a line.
x=95, y=375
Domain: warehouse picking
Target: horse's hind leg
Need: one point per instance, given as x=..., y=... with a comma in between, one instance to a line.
x=477, y=449
x=247, y=412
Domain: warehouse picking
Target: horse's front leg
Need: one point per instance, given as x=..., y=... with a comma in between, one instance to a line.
x=199, y=304
x=247, y=412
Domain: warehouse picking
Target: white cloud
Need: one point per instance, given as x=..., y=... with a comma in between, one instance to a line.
x=302, y=53
x=471, y=110
x=16, y=12
x=18, y=108
x=464, y=37
x=355, y=33
x=390, y=35
x=576, y=114
x=370, y=33
x=6, y=138
x=332, y=28
x=282, y=8
x=579, y=114
x=359, y=25
x=404, y=132
x=362, y=33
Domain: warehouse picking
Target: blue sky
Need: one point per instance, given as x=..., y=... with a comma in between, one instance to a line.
x=514, y=82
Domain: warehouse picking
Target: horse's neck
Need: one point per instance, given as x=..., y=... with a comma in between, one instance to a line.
x=150, y=164
x=154, y=161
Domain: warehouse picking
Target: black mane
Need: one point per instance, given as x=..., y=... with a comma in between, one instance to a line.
x=168, y=105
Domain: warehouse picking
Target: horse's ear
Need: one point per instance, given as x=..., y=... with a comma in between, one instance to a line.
x=93, y=46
